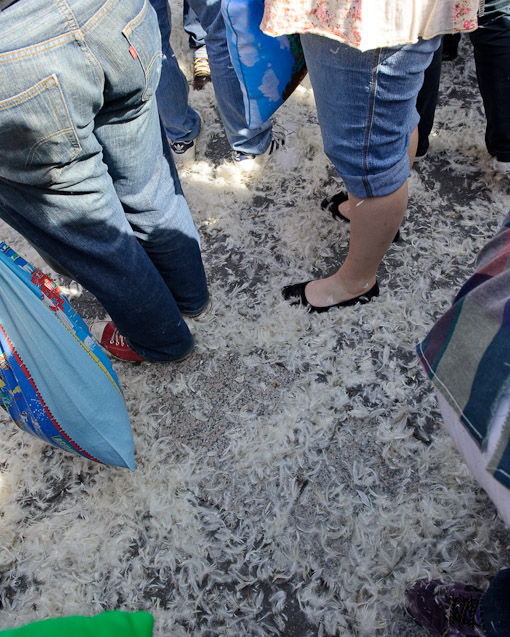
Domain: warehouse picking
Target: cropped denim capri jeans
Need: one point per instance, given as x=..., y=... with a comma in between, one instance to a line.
x=366, y=105
x=85, y=173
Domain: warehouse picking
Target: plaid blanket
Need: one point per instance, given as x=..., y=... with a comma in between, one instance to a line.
x=467, y=354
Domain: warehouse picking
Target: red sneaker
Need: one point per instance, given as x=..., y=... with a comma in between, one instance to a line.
x=113, y=343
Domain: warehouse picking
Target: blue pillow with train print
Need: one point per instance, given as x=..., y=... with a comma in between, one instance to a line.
x=269, y=69
x=55, y=381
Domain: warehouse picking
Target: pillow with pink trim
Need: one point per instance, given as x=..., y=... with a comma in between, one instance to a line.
x=55, y=381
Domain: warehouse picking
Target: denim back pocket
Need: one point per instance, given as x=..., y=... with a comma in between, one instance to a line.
x=143, y=35
x=37, y=138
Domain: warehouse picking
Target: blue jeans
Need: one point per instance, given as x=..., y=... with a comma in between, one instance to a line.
x=192, y=26
x=83, y=174
x=180, y=121
x=366, y=106
x=226, y=85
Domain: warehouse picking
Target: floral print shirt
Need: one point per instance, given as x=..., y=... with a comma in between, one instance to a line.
x=370, y=24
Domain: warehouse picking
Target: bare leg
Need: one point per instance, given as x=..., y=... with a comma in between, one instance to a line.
x=413, y=145
x=374, y=223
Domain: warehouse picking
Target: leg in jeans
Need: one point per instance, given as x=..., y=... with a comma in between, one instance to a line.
x=491, y=43
x=84, y=177
x=376, y=93
x=180, y=121
x=193, y=28
x=226, y=85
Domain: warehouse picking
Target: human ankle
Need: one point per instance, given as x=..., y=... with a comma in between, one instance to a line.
x=354, y=286
x=345, y=210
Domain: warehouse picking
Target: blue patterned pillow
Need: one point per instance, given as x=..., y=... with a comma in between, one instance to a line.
x=269, y=69
x=55, y=381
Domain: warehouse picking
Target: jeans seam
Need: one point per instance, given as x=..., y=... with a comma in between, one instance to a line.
x=370, y=118
x=98, y=16
x=79, y=34
x=127, y=32
x=45, y=85
x=66, y=12
x=64, y=130
x=76, y=34
x=138, y=19
x=35, y=49
x=16, y=100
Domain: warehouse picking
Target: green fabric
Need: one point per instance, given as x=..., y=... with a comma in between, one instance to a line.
x=113, y=623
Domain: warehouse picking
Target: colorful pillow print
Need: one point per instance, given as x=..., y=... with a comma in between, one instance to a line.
x=466, y=354
x=55, y=381
x=269, y=69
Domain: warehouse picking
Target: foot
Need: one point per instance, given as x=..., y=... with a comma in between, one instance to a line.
x=331, y=291
x=244, y=161
x=450, y=610
x=113, y=343
x=201, y=72
x=297, y=295
x=115, y=346
x=338, y=206
x=275, y=150
x=183, y=151
x=201, y=313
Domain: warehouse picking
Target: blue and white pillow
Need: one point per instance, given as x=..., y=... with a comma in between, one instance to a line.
x=268, y=68
x=55, y=381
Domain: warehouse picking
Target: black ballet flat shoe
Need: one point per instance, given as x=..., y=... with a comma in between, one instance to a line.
x=297, y=292
x=332, y=203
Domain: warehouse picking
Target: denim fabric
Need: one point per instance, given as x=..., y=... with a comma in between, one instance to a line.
x=180, y=121
x=226, y=85
x=192, y=26
x=366, y=105
x=495, y=607
x=82, y=170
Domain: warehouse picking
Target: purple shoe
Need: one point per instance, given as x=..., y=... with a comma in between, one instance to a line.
x=447, y=610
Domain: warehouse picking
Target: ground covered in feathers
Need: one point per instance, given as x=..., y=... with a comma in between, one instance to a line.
x=292, y=475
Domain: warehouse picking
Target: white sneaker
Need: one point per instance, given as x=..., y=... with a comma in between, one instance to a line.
x=183, y=152
x=276, y=149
